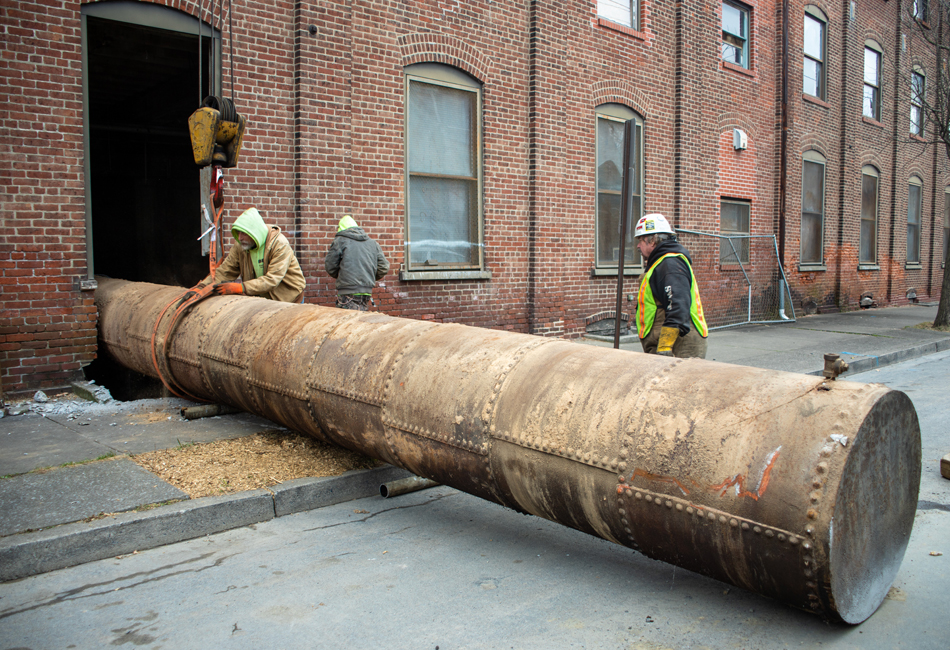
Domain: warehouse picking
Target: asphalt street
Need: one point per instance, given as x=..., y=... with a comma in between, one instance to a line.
x=442, y=569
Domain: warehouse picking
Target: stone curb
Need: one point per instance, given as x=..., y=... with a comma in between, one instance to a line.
x=28, y=554
x=859, y=364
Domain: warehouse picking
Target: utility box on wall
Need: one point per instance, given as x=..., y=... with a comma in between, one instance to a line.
x=739, y=139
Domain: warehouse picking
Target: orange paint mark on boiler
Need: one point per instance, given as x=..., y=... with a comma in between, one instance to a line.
x=738, y=481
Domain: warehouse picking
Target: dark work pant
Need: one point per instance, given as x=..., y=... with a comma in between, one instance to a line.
x=349, y=301
x=691, y=345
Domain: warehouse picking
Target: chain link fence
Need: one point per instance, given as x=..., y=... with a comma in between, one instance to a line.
x=740, y=278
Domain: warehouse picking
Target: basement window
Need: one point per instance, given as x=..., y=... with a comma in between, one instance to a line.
x=734, y=227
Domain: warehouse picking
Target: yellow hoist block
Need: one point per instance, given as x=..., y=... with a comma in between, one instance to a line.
x=213, y=140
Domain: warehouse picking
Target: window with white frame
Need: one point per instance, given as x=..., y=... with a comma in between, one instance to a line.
x=735, y=33
x=914, y=192
x=813, y=77
x=622, y=12
x=813, y=207
x=867, y=248
x=734, y=227
x=919, y=10
x=872, y=81
x=443, y=169
x=611, y=123
x=917, y=88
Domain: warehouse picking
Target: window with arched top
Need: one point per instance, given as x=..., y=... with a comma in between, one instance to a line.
x=872, y=80
x=918, y=88
x=611, y=123
x=813, y=207
x=443, y=169
x=867, y=248
x=914, y=199
x=813, y=46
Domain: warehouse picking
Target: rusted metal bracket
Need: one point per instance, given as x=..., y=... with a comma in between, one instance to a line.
x=834, y=366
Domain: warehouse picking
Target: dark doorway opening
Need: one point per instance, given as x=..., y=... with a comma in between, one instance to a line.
x=145, y=187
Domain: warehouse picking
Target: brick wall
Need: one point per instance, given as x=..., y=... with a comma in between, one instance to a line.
x=836, y=129
x=326, y=115
x=47, y=324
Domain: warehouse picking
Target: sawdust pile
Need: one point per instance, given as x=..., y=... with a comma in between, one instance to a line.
x=256, y=461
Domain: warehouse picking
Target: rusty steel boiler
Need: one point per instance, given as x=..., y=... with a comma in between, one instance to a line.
x=792, y=486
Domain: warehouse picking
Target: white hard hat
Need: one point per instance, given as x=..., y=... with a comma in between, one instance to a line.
x=651, y=224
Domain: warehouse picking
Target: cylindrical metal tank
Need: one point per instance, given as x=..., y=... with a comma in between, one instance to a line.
x=792, y=486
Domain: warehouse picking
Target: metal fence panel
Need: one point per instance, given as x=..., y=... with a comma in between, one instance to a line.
x=740, y=278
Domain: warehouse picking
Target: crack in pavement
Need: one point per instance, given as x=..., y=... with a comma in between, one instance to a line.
x=77, y=593
x=816, y=329
x=363, y=519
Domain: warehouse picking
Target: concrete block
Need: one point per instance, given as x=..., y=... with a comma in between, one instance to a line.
x=64, y=546
x=84, y=391
x=68, y=494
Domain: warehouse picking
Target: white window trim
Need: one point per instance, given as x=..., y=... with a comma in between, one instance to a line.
x=747, y=41
x=633, y=6
x=819, y=16
x=735, y=233
x=446, y=76
x=870, y=170
x=813, y=156
x=617, y=113
x=916, y=182
x=874, y=47
x=918, y=101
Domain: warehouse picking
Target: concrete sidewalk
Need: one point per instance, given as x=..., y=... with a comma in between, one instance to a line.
x=866, y=339
x=51, y=520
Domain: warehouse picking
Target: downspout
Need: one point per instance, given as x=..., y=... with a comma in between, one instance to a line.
x=896, y=185
x=534, y=159
x=299, y=162
x=783, y=152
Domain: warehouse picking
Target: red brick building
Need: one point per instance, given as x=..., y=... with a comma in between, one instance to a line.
x=476, y=141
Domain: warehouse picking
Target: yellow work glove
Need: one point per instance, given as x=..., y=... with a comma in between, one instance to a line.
x=668, y=336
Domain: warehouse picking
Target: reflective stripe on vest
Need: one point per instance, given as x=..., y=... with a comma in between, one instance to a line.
x=646, y=305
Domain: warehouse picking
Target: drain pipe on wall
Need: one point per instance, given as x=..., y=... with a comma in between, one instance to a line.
x=783, y=162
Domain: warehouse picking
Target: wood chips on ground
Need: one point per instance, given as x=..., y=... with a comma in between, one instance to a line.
x=256, y=461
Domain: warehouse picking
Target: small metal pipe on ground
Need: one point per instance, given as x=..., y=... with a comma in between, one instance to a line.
x=405, y=486
x=738, y=473
x=207, y=411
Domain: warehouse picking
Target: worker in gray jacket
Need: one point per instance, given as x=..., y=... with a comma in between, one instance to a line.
x=357, y=262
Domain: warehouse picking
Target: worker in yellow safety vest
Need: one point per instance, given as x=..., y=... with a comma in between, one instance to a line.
x=670, y=318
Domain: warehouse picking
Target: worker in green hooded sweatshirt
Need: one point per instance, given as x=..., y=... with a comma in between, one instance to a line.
x=357, y=262
x=260, y=263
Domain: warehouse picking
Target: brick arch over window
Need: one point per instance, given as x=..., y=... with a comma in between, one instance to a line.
x=914, y=170
x=823, y=6
x=871, y=157
x=190, y=7
x=448, y=50
x=737, y=168
x=619, y=92
x=814, y=143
